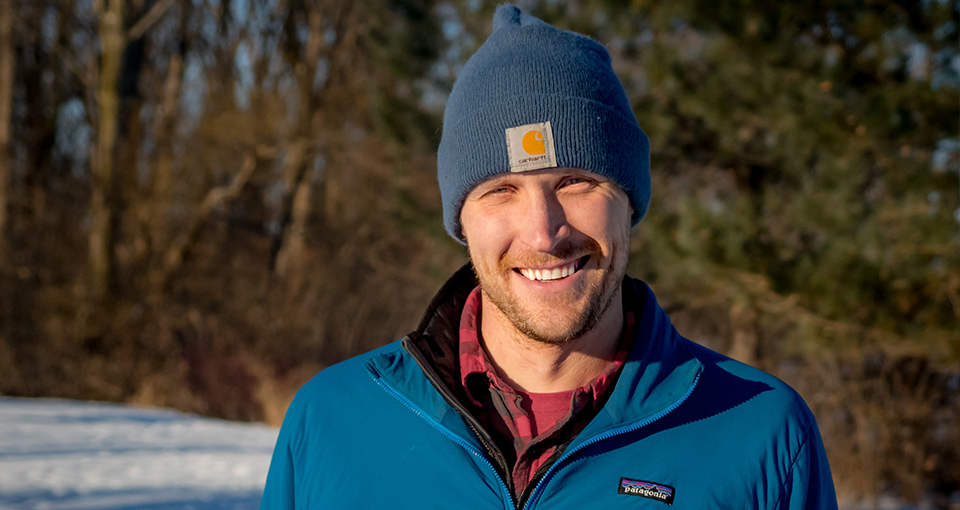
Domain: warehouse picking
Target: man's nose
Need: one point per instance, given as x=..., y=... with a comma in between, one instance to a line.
x=543, y=223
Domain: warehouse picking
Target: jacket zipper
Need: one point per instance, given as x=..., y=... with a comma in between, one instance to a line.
x=538, y=490
x=523, y=497
x=508, y=498
x=468, y=418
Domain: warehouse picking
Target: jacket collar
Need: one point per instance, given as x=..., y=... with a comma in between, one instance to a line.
x=660, y=370
x=659, y=373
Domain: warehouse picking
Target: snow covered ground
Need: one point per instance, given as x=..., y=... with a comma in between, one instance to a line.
x=61, y=454
x=70, y=455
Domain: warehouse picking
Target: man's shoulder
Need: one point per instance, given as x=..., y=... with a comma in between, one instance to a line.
x=344, y=385
x=735, y=386
x=345, y=375
x=726, y=385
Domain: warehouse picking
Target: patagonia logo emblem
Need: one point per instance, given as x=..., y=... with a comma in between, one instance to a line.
x=649, y=490
x=531, y=147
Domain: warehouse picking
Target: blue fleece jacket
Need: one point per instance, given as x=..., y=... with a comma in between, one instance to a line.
x=685, y=427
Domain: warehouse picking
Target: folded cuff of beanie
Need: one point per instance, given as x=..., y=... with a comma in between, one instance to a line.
x=588, y=135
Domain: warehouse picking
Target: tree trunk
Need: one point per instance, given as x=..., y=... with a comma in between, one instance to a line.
x=6, y=108
x=290, y=256
x=745, y=345
x=290, y=242
x=162, y=176
x=112, y=43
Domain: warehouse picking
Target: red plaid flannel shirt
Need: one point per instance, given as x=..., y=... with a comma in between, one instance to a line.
x=500, y=408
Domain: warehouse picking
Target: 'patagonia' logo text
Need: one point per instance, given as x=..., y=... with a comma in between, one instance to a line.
x=649, y=490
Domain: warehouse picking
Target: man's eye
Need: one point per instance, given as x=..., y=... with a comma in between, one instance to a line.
x=500, y=190
x=575, y=180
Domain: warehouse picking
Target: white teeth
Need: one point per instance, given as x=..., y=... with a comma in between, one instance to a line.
x=549, y=274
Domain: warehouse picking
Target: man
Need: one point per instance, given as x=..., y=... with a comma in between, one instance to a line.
x=557, y=382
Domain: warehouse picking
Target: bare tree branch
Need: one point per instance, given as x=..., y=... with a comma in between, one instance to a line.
x=216, y=197
x=148, y=19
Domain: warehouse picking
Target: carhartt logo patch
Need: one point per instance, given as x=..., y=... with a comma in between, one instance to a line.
x=531, y=147
x=649, y=490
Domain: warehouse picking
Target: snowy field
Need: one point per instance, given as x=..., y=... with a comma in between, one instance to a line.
x=61, y=454
x=70, y=455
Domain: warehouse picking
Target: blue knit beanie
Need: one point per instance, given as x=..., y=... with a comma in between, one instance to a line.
x=534, y=97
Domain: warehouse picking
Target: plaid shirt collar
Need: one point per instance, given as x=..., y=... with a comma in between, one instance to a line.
x=498, y=406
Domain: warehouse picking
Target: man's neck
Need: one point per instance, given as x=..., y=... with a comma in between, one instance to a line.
x=538, y=367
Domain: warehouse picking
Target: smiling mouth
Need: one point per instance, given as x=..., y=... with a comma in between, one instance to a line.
x=549, y=275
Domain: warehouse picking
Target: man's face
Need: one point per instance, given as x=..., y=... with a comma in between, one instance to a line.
x=549, y=247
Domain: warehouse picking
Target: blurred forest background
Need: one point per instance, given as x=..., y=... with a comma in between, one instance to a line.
x=204, y=202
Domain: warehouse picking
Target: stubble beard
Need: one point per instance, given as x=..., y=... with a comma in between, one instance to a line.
x=600, y=295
